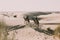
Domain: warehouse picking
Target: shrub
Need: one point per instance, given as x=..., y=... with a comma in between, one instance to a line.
x=57, y=32
x=3, y=31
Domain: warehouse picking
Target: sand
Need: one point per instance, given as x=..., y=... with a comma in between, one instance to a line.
x=29, y=34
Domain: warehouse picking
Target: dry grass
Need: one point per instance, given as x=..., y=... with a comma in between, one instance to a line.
x=3, y=31
x=57, y=32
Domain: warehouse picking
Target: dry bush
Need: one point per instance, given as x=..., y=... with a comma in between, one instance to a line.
x=3, y=31
x=57, y=32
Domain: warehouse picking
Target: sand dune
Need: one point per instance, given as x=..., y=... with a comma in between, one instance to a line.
x=28, y=33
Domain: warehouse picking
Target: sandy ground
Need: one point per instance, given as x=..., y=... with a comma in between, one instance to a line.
x=29, y=34
x=26, y=33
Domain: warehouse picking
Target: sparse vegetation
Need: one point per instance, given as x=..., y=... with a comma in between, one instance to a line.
x=3, y=31
x=57, y=32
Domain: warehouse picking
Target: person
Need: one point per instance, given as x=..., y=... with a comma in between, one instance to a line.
x=26, y=18
x=36, y=21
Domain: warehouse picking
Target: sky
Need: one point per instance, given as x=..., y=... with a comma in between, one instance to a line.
x=29, y=5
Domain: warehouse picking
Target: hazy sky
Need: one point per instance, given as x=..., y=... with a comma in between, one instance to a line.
x=29, y=5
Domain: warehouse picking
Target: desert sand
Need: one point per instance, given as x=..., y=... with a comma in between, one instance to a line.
x=26, y=33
